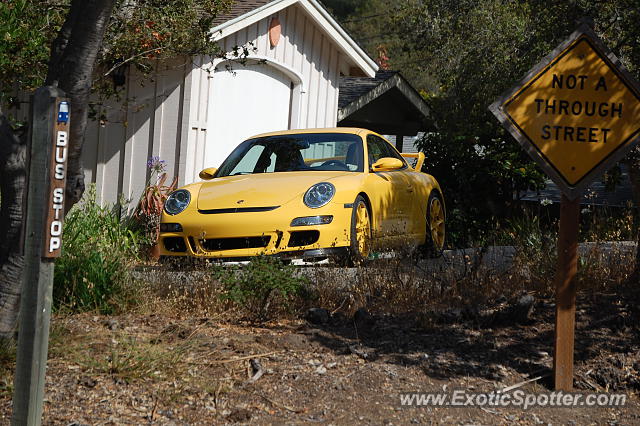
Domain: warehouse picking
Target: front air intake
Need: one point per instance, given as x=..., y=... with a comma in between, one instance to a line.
x=239, y=210
x=222, y=244
x=303, y=238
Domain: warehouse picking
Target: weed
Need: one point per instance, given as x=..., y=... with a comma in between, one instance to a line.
x=147, y=213
x=257, y=285
x=7, y=366
x=536, y=255
x=129, y=359
x=97, y=250
x=603, y=266
x=180, y=293
x=602, y=223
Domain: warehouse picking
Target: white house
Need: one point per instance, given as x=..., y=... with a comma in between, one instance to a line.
x=196, y=110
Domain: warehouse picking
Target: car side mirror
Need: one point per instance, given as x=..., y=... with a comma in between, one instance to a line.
x=386, y=164
x=208, y=173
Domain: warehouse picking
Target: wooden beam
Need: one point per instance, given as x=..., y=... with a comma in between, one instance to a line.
x=399, y=142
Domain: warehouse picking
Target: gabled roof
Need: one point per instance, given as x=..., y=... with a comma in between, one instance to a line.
x=386, y=103
x=353, y=88
x=244, y=13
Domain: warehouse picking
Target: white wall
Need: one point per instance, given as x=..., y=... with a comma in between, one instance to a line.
x=167, y=115
x=147, y=122
x=306, y=50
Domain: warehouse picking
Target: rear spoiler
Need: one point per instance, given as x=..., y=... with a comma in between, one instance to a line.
x=418, y=162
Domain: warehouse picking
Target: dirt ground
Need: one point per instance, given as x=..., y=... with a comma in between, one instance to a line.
x=155, y=369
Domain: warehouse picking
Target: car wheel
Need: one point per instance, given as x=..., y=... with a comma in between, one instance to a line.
x=360, y=231
x=434, y=240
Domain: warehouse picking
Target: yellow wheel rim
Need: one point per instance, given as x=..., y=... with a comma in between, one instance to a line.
x=436, y=223
x=363, y=229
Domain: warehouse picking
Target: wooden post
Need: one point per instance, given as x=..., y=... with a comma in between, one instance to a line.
x=399, y=142
x=42, y=240
x=566, y=293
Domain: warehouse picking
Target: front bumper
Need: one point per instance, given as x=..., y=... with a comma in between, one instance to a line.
x=248, y=234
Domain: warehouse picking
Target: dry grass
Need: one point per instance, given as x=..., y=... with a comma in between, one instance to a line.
x=395, y=286
x=388, y=287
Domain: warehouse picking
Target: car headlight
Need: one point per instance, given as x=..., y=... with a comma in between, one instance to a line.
x=177, y=202
x=319, y=194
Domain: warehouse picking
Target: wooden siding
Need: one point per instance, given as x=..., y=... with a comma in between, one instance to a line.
x=196, y=108
x=305, y=49
x=125, y=134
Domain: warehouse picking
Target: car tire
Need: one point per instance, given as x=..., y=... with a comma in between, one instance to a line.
x=435, y=222
x=360, y=241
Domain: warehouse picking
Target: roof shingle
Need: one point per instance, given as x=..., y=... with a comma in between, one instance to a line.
x=352, y=88
x=239, y=8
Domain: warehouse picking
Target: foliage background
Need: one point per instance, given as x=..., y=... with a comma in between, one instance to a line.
x=461, y=56
x=139, y=33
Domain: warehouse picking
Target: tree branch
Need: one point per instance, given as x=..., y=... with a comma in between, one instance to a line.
x=119, y=64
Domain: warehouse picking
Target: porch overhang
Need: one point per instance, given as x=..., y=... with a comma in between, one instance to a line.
x=386, y=104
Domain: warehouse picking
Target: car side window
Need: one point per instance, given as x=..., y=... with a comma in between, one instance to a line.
x=379, y=148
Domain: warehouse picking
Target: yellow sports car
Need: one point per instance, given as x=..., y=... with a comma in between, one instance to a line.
x=339, y=193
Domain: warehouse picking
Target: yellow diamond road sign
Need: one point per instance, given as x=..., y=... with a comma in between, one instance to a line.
x=576, y=113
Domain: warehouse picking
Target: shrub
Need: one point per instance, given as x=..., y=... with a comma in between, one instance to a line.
x=604, y=223
x=149, y=209
x=97, y=249
x=256, y=285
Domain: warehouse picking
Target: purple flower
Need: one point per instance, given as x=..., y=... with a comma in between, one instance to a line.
x=155, y=164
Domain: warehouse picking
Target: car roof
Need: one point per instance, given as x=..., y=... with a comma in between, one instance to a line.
x=351, y=130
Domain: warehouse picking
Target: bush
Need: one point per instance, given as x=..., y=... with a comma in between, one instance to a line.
x=255, y=286
x=97, y=250
x=146, y=216
x=479, y=177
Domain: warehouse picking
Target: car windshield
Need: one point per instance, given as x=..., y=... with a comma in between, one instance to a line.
x=297, y=152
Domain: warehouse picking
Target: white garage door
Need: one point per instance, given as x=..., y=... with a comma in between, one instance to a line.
x=245, y=101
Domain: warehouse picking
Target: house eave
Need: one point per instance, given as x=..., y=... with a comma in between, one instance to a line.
x=318, y=13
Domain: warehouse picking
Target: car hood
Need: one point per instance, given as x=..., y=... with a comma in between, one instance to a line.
x=259, y=190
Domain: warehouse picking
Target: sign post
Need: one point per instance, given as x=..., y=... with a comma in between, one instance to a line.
x=47, y=156
x=576, y=113
x=566, y=293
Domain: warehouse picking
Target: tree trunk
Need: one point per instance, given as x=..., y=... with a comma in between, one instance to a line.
x=71, y=67
x=12, y=186
x=73, y=58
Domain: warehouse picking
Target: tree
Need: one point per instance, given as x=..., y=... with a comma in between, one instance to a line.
x=473, y=50
x=342, y=9
x=462, y=55
x=134, y=32
x=71, y=65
